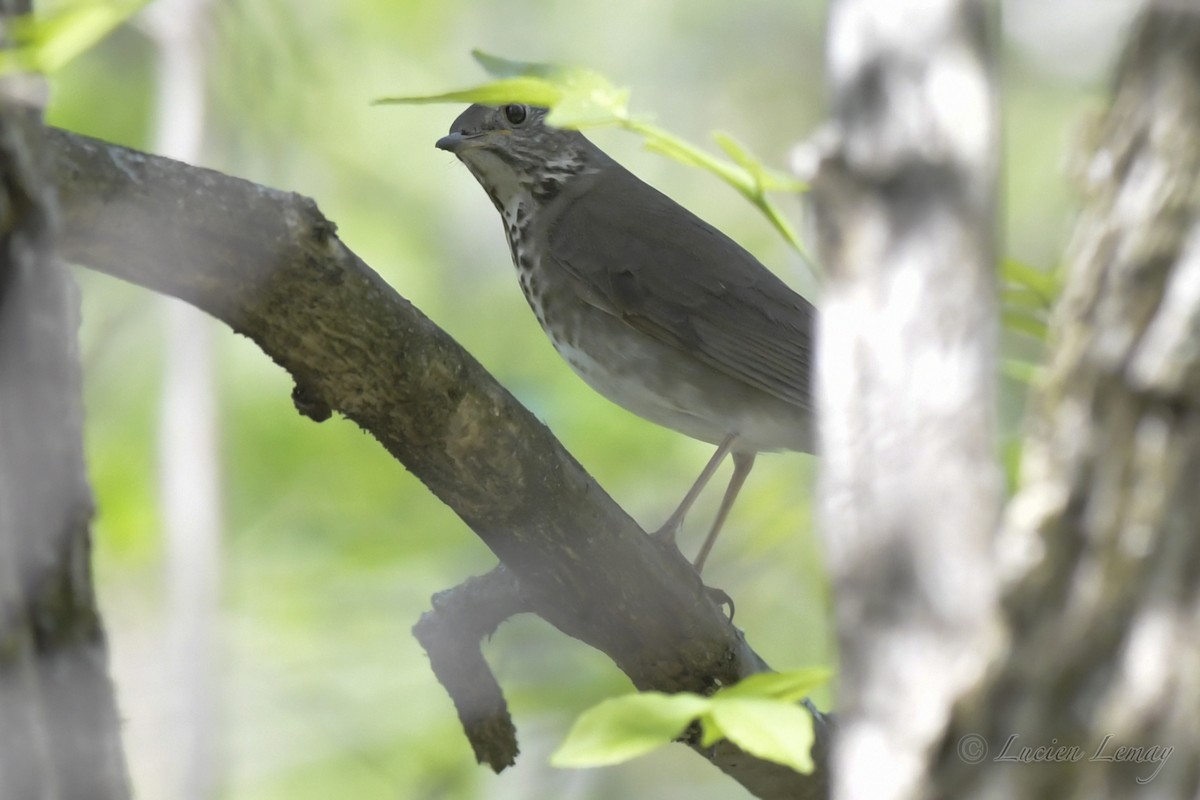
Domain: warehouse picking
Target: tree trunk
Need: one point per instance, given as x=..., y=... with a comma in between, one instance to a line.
x=1089, y=685
x=910, y=485
x=1101, y=545
x=59, y=731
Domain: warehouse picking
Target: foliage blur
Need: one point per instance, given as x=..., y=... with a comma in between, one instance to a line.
x=332, y=549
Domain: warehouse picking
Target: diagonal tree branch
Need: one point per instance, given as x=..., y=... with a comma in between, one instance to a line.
x=270, y=265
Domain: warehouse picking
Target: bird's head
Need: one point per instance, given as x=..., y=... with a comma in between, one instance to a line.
x=510, y=149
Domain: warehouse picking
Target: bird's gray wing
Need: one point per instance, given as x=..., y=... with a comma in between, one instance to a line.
x=638, y=255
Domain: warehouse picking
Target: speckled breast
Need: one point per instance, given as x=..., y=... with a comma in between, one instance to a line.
x=549, y=295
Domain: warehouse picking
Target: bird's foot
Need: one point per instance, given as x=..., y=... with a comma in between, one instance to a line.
x=665, y=536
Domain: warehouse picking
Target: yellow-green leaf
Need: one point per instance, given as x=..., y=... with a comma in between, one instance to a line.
x=1024, y=296
x=623, y=728
x=1010, y=457
x=589, y=103
x=663, y=143
x=788, y=686
x=739, y=154
x=772, y=730
x=499, y=67
x=1022, y=371
x=532, y=91
x=49, y=40
x=1045, y=283
x=765, y=179
x=1021, y=321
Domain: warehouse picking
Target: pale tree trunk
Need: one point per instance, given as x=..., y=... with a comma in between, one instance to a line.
x=59, y=731
x=1071, y=668
x=188, y=438
x=910, y=488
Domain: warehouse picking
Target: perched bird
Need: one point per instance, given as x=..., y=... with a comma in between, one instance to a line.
x=653, y=307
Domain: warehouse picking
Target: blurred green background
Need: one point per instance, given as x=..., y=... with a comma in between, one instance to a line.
x=330, y=549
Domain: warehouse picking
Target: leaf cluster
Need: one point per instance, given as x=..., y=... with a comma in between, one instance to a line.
x=761, y=714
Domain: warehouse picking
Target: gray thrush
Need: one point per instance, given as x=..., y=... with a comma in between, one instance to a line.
x=653, y=307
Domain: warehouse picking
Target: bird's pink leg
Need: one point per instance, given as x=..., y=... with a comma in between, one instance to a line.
x=742, y=464
x=669, y=528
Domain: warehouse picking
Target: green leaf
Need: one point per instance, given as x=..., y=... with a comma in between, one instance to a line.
x=765, y=179
x=623, y=728
x=658, y=140
x=589, y=99
x=736, y=151
x=1023, y=371
x=576, y=97
x=665, y=144
x=1045, y=283
x=684, y=153
x=789, y=686
x=773, y=730
x=585, y=97
x=1023, y=296
x=1010, y=456
x=533, y=91
x=499, y=67
x=49, y=40
x=1023, y=322
x=710, y=731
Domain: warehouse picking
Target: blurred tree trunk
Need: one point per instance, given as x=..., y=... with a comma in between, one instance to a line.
x=1101, y=545
x=188, y=442
x=910, y=488
x=1055, y=654
x=59, y=731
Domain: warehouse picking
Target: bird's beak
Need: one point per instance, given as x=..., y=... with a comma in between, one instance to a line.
x=452, y=143
x=458, y=141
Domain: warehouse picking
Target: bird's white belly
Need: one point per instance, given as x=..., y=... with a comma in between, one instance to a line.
x=659, y=404
x=651, y=380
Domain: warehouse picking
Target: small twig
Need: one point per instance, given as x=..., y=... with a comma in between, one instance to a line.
x=451, y=633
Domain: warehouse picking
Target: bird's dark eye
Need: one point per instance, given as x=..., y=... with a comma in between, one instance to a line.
x=515, y=113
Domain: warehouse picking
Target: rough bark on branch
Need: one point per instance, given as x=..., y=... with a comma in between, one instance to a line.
x=269, y=265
